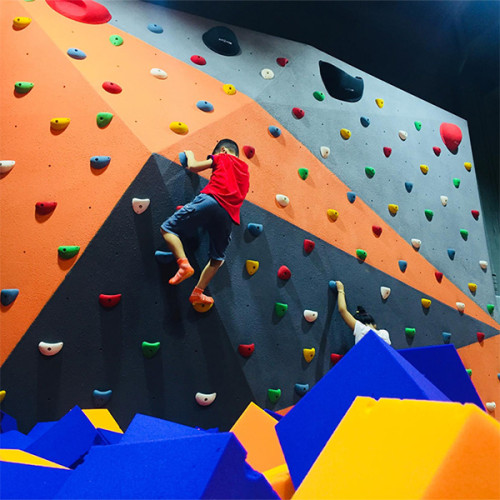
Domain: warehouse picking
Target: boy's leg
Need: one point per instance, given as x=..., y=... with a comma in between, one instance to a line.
x=175, y=244
x=197, y=296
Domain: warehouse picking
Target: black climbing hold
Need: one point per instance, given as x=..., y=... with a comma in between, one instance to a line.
x=222, y=40
x=339, y=84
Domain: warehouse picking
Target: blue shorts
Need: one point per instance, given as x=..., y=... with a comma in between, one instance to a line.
x=204, y=211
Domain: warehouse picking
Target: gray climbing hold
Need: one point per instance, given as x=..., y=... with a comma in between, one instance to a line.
x=50, y=349
x=205, y=399
x=140, y=205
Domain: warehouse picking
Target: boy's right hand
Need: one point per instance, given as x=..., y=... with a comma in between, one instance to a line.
x=189, y=155
x=340, y=286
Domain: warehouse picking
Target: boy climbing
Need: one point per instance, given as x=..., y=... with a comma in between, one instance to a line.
x=216, y=208
x=362, y=322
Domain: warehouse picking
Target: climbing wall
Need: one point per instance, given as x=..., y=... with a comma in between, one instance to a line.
x=380, y=182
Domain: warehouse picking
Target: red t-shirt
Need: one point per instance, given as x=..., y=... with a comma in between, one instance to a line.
x=229, y=183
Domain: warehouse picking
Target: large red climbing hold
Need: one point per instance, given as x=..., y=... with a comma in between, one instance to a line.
x=284, y=273
x=112, y=88
x=451, y=136
x=109, y=301
x=439, y=276
x=309, y=245
x=83, y=11
x=480, y=336
x=475, y=214
x=249, y=151
x=246, y=350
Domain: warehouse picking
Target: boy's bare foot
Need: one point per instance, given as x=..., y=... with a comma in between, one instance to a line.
x=198, y=297
x=185, y=271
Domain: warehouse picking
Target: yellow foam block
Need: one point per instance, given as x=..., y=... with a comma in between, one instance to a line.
x=102, y=419
x=279, y=478
x=22, y=457
x=408, y=449
x=255, y=431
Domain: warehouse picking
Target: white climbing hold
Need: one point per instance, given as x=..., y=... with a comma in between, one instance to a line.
x=385, y=291
x=140, y=205
x=461, y=306
x=491, y=405
x=444, y=200
x=310, y=315
x=267, y=74
x=6, y=166
x=282, y=200
x=205, y=399
x=483, y=264
x=48, y=349
x=325, y=151
x=159, y=73
x=416, y=243
x=403, y=135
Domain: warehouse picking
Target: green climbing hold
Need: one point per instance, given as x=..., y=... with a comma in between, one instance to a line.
x=116, y=40
x=23, y=87
x=370, y=172
x=418, y=126
x=319, y=95
x=104, y=119
x=274, y=395
x=149, y=349
x=464, y=233
x=68, y=252
x=490, y=307
x=456, y=182
x=429, y=214
x=303, y=173
x=361, y=254
x=410, y=332
x=280, y=309
x=469, y=371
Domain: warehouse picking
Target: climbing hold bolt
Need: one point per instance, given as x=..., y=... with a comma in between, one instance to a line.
x=370, y=172
x=140, y=205
x=246, y=350
x=282, y=200
x=361, y=254
x=99, y=162
x=309, y=354
x=345, y=133
x=179, y=128
x=403, y=135
x=424, y=169
x=472, y=287
x=309, y=245
x=351, y=196
x=23, y=87
x=255, y=229
x=426, y=303
x=451, y=253
x=460, y=306
x=8, y=296
x=410, y=332
x=159, y=73
x=273, y=395
x=303, y=173
x=104, y=119
x=109, y=301
x=379, y=102
x=332, y=214
x=301, y=389
x=385, y=291
x=310, y=316
x=267, y=74
x=6, y=166
x=249, y=151
x=59, y=123
x=416, y=243
x=284, y=273
x=155, y=28
x=149, y=349
x=324, y=151
x=393, y=209
x=429, y=214
x=402, y=265
x=199, y=60
x=456, y=182
x=274, y=131
x=229, y=89
x=280, y=309
x=252, y=266
x=50, y=349
x=68, y=252
x=76, y=54
x=111, y=87
x=116, y=40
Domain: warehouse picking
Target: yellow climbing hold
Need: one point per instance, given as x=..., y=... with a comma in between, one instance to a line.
x=179, y=128
x=229, y=89
x=380, y=103
x=252, y=266
x=2, y=395
x=472, y=287
x=202, y=308
x=393, y=208
x=426, y=303
x=424, y=169
x=309, y=354
x=21, y=22
x=468, y=166
x=332, y=214
x=59, y=123
x=345, y=133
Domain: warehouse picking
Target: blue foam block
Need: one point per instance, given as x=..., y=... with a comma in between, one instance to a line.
x=105, y=437
x=67, y=440
x=39, y=429
x=203, y=466
x=442, y=365
x=14, y=440
x=371, y=368
x=7, y=423
x=273, y=414
x=30, y=481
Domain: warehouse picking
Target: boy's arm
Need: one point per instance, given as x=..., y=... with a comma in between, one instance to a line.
x=346, y=315
x=193, y=165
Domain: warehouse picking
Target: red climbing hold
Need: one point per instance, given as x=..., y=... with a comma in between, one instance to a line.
x=335, y=358
x=109, y=301
x=246, y=350
x=439, y=276
x=199, y=60
x=309, y=245
x=284, y=273
x=282, y=61
x=249, y=151
x=178, y=207
x=437, y=151
x=84, y=11
x=45, y=207
x=451, y=135
x=480, y=336
x=475, y=214
x=112, y=88
x=298, y=113
x=387, y=152
x=377, y=230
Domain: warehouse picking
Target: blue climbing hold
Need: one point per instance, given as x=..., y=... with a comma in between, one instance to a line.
x=99, y=162
x=274, y=131
x=351, y=196
x=183, y=159
x=155, y=28
x=164, y=257
x=8, y=295
x=446, y=337
x=76, y=53
x=403, y=265
x=365, y=121
x=451, y=253
x=409, y=186
x=101, y=397
x=205, y=106
x=255, y=229
x=333, y=285
x=301, y=389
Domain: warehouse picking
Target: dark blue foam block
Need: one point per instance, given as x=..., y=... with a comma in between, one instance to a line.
x=442, y=365
x=7, y=423
x=39, y=429
x=30, y=481
x=67, y=440
x=14, y=440
x=146, y=428
x=204, y=466
x=105, y=437
x=273, y=414
x=371, y=368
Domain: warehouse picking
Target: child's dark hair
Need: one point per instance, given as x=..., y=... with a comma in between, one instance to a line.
x=228, y=144
x=363, y=317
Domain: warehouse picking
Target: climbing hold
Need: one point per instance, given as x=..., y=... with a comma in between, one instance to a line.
x=116, y=40
x=111, y=87
x=199, y=60
x=361, y=254
x=76, y=54
x=460, y=306
x=284, y=273
x=99, y=162
x=426, y=303
x=403, y=135
x=370, y=172
x=437, y=151
x=155, y=28
x=451, y=253
x=298, y=113
x=23, y=87
x=280, y=309
x=140, y=205
x=309, y=354
x=229, y=89
x=491, y=405
x=451, y=136
x=340, y=84
x=410, y=332
x=179, y=128
x=332, y=284
x=468, y=166
x=464, y=233
x=324, y=151
x=183, y=159
x=48, y=349
x=483, y=264
x=444, y=200
x=385, y=291
x=310, y=316
x=380, y=103
x=104, y=119
x=402, y=265
x=205, y=106
x=387, y=152
x=303, y=173
x=472, y=287
x=480, y=336
x=393, y=209
x=456, y=182
x=332, y=214
x=365, y=121
x=490, y=308
x=309, y=245
x=68, y=252
x=45, y=207
x=101, y=397
x=301, y=389
x=446, y=337
x=319, y=96
x=282, y=200
x=274, y=131
x=59, y=123
x=267, y=74
x=255, y=229
x=408, y=186
x=159, y=73
x=8, y=296
x=429, y=214
x=221, y=40
x=6, y=166
x=20, y=23
x=252, y=266
x=377, y=230
x=282, y=61
x=475, y=214
x=246, y=350
x=164, y=257
x=418, y=126
x=273, y=395
x=416, y=243
x=351, y=196
x=249, y=151
x=335, y=358
x=109, y=301
x=345, y=133
x=439, y=276
x=149, y=349
x=424, y=169
x=469, y=372
x=2, y=395
x=83, y=11
x=202, y=308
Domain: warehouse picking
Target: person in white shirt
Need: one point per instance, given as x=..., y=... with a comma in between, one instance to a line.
x=362, y=322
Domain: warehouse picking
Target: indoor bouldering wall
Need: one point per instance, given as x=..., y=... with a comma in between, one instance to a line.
x=381, y=182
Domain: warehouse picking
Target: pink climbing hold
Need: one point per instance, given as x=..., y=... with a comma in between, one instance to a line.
x=298, y=113
x=387, y=152
x=199, y=60
x=249, y=151
x=451, y=136
x=83, y=11
x=282, y=61
x=437, y=151
x=475, y=214
x=309, y=245
x=112, y=88
x=284, y=273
